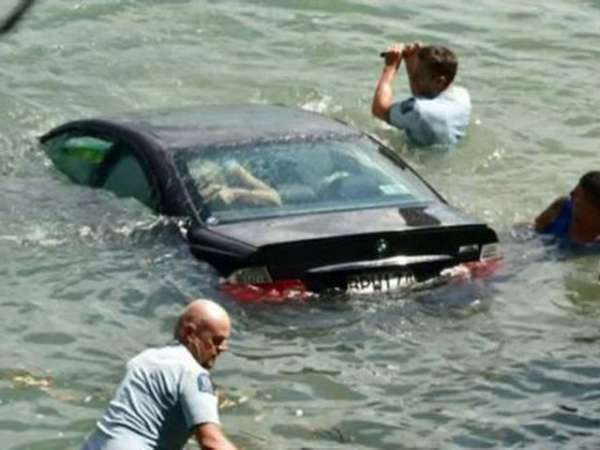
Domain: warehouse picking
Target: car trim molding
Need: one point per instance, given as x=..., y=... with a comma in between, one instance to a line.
x=398, y=261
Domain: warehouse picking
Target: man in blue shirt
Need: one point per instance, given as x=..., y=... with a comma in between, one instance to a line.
x=166, y=395
x=438, y=112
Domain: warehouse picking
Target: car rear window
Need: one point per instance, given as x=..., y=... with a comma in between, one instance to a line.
x=252, y=181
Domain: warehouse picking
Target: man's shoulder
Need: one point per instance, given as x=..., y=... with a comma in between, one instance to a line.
x=451, y=98
x=453, y=106
x=171, y=357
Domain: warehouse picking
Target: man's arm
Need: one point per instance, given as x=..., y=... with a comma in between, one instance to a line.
x=211, y=437
x=384, y=97
x=547, y=216
x=256, y=192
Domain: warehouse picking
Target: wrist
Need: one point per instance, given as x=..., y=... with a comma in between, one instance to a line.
x=391, y=68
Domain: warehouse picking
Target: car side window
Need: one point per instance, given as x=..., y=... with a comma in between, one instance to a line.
x=126, y=178
x=101, y=162
x=79, y=157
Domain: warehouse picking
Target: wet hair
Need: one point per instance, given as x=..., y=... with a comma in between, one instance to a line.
x=590, y=183
x=439, y=61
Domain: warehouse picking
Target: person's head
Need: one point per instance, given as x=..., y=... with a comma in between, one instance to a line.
x=586, y=196
x=431, y=70
x=204, y=328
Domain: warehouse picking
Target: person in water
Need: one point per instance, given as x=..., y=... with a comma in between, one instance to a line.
x=166, y=395
x=438, y=111
x=576, y=217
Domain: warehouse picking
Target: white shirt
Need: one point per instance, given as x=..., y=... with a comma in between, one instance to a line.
x=439, y=120
x=163, y=396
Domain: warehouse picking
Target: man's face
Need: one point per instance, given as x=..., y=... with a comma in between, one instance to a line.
x=212, y=342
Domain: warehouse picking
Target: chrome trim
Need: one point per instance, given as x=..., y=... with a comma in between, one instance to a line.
x=400, y=261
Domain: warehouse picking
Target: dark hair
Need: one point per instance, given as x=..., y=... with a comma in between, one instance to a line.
x=439, y=61
x=590, y=183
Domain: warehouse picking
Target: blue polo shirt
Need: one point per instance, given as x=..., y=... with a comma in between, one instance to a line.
x=164, y=395
x=441, y=120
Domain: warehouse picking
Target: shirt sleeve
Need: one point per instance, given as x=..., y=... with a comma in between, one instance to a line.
x=198, y=399
x=403, y=114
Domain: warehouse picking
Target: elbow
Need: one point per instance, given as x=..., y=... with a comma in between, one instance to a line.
x=380, y=108
x=378, y=111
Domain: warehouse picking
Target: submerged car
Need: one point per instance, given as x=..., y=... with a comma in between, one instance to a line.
x=279, y=200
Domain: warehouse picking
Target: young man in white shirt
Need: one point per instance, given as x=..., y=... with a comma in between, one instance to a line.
x=438, y=112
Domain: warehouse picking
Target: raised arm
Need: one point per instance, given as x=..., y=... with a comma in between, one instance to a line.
x=384, y=96
x=211, y=437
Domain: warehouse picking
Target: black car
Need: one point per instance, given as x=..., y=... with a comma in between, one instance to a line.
x=281, y=201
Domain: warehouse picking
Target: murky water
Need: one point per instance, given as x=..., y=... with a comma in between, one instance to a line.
x=89, y=280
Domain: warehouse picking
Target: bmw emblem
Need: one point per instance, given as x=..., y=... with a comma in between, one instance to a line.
x=381, y=247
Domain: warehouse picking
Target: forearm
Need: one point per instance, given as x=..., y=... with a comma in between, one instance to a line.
x=384, y=97
x=210, y=437
x=216, y=443
x=257, y=196
x=250, y=181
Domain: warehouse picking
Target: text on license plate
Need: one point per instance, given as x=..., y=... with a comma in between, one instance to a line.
x=379, y=282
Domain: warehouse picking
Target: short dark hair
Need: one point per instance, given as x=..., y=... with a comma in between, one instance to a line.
x=439, y=61
x=590, y=183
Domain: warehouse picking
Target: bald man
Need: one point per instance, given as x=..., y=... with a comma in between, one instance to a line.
x=167, y=395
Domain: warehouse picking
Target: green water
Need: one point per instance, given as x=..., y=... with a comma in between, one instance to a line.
x=89, y=280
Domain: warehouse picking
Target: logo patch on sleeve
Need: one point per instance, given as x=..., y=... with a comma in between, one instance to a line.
x=204, y=384
x=407, y=105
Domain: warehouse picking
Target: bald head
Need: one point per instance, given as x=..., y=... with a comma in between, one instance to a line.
x=204, y=327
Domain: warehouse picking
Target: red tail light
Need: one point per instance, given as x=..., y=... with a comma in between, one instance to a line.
x=277, y=291
x=473, y=269
x=481, y=269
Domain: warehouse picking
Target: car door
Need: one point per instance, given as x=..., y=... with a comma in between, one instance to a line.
x=100, y=161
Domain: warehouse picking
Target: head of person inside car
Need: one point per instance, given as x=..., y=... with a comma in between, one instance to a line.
x=430, y=69
x=576, y=217
x=230, y=184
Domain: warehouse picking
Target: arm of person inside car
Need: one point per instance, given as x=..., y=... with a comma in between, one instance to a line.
x=211, y=437
x=547, y=216
x=253, y=190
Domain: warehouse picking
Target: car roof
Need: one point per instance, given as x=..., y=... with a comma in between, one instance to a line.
x=223, y=125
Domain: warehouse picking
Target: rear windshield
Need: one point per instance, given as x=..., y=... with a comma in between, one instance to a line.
x=245, y=182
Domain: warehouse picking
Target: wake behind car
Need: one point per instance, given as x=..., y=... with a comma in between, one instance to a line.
x=279, y=200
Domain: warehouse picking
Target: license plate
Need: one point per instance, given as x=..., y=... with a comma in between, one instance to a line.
x=376, y=282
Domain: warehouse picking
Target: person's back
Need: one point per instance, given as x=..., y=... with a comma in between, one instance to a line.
x=441, y=120
x=163, y=395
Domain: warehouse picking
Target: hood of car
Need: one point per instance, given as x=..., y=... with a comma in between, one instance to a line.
x=275, y=231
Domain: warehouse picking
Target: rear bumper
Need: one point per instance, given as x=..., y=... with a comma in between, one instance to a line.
x=399, y=279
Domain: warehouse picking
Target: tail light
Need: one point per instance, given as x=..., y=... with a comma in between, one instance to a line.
x=490, y=261
x=274, y=292
x=255, y=285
